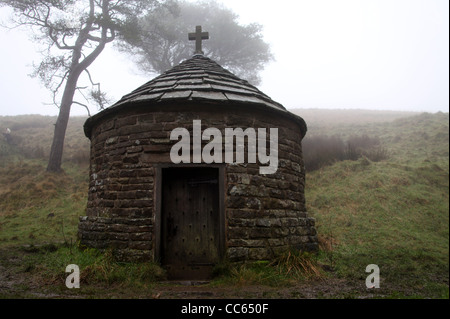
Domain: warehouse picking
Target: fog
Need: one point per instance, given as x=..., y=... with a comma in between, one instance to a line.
x=384, y=54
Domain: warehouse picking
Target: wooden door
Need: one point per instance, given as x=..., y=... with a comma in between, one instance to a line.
x=190, y=222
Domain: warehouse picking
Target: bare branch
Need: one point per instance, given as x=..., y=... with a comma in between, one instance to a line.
x=105, y=39
x=85, y=106
x=64, y=42
x=64, y=46
x=90, y=79
x=61, y=82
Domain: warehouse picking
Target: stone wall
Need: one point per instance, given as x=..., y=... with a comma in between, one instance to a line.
x=265, y=214
x=129, y=238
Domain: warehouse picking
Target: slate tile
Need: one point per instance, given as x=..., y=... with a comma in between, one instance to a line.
x=147, y=97
x=134, y=94
x=161, y=89
x=231, y=89
x=193, y=87
x=163, y=83
x=176, y=95
x=243, y=98
x=204, y=95
x=165, y=78
x=191, y=81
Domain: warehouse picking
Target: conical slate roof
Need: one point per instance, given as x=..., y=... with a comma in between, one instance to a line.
x=196, y=79
x=199, y=78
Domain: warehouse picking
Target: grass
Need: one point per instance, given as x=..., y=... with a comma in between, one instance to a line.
x=401, y=228
x=393, y=212
x=32, y=137
x=96, y=267
x=285, y=270
x=39, y=207
x=44, y=266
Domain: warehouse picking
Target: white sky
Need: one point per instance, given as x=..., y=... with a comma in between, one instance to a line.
x=361, y=54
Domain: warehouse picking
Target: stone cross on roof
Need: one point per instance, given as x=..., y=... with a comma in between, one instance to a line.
x=198, y=36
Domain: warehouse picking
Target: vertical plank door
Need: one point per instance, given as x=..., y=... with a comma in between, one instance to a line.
x=190, y=222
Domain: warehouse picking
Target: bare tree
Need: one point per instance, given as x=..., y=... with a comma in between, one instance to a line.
x=164, y=41
x=74, y=33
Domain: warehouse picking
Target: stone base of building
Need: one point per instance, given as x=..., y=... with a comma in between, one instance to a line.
x=129, y=239
x=263, y=238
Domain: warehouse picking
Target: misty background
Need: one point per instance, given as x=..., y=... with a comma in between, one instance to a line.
x=384, y=54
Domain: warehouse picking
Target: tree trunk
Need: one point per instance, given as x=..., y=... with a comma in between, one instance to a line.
x=76, y=68
x=56, y=152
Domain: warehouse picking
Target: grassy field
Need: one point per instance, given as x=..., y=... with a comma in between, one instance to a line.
x=392, y=212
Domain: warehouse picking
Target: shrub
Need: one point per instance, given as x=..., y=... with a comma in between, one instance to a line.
x=357, y=145
x=377, y=154
x=322, y=150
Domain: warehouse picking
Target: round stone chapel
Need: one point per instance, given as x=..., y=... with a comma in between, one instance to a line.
x=195, y=167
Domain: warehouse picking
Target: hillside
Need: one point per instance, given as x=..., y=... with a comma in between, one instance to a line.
x=395, y=212
x=31, y=137
x=326, y=119
x=392, y=211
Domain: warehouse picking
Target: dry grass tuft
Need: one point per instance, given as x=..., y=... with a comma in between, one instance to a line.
x=298, y=264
